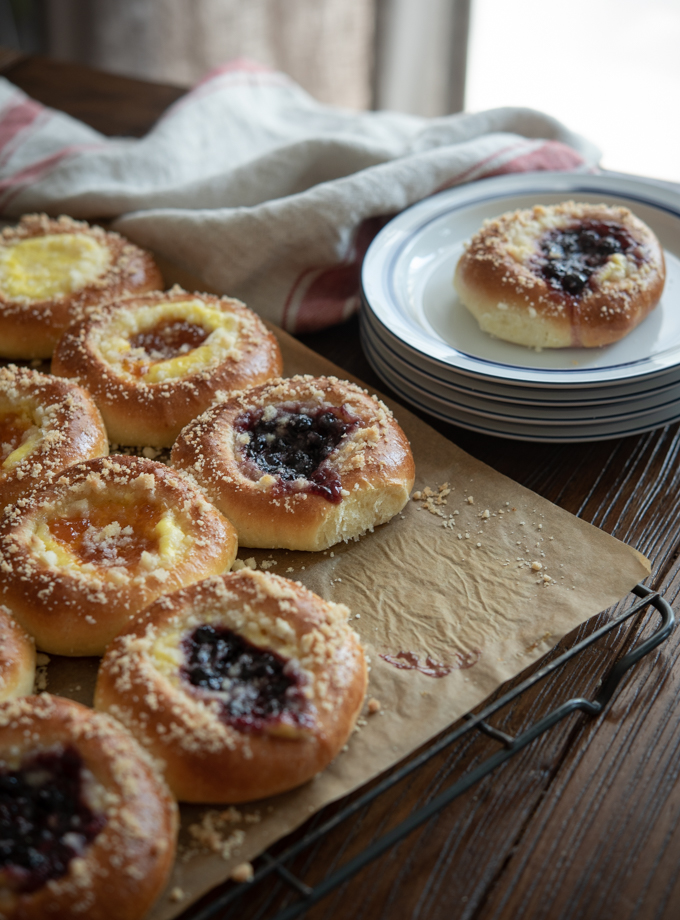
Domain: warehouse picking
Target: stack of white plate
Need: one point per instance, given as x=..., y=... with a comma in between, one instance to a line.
x=420, y=339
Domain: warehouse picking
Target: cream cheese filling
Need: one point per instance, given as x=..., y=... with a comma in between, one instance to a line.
x=51, y=266
x=35, y=420
x=114, y=343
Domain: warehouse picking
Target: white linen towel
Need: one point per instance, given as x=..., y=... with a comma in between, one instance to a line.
x=263, y=192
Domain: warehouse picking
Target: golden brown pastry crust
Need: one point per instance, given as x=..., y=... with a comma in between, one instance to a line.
x=207, y=759
x=498, y=283
x=126, y=866
x=17, y=658
x=31, y=329
x=140, y=411
x=62, y=427
x=140, y=530
x=374, y=464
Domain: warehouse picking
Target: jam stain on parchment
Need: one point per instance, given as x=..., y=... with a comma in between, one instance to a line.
x=410, y=661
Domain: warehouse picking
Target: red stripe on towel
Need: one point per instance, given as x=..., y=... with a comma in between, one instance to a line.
x=241, y=65
x=324, y=300
x=331, y=295
x=11, y=187
x=15, y=118
x=552, y=155
x=469, y=174
x=322, y=297
x=241, y=72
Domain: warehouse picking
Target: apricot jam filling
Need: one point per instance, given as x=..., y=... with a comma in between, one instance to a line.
x=257, y=689
x=163, y=341
x=292, y=443
x=167, y=339
x=110, y=534
x=45, y=820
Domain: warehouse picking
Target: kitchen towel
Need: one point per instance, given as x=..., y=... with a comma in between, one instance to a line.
x=264, y=193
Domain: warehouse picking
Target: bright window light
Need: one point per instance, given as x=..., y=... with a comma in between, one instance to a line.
x=609, y=69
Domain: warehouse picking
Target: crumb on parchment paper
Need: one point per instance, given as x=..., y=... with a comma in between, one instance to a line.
x=41, y=662
x=214, y=832
x=433, y=499
x=249, y=563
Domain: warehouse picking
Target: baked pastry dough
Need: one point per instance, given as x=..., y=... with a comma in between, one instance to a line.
x=569, y=274
x=82, y=556
x=244, y=686
x=53, y=271
x=46, y=424
x=17, y=658
x=88, y=827
x=155, y=362
x=300, y=463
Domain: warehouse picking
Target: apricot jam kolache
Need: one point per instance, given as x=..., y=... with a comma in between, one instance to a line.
x=299, y=463
x=53, y=271
x=565, y=275
x=17, y=659
x=82, y=556
x=243, y=686
x=87, y=826
x=155, y=362
x=46, y=424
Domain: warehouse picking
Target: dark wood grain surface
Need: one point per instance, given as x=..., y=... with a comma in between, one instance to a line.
x=111, y=104
x=584, y=823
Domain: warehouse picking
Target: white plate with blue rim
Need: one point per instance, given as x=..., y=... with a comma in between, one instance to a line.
x=397, y=354
x=408, y=271
x=636, y=407
x=600, y=430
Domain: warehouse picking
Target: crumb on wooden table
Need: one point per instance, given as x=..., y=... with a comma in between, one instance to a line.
x=244, y=872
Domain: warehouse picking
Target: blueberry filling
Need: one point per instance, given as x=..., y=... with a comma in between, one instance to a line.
x=570, y=257
x=293, y=444
x=44, y=819
x=256, y=687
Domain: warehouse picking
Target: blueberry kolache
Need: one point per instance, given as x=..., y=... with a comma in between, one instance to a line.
x=243, y=686
x=88, y=826
x=155, y=362
x=84, y=555
x=46, y=424
x=52, y=271
x=300, y=463
x=571, y=274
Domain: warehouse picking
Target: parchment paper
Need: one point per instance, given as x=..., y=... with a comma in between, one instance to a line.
x=453, y=593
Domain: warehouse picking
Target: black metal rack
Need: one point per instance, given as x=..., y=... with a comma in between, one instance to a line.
x=276, y=865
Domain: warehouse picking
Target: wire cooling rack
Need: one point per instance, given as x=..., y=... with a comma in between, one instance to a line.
x=224, y=906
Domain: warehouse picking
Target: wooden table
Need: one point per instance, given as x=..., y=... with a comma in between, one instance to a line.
x=584, y=823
